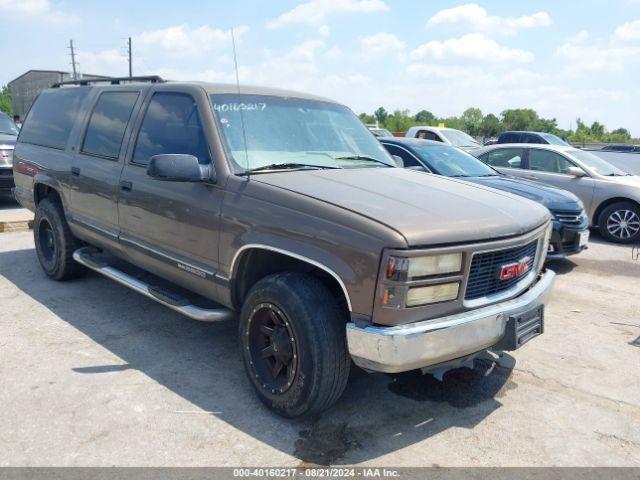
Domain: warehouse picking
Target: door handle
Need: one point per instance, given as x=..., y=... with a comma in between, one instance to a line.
x=126, y=186
x=75, y=171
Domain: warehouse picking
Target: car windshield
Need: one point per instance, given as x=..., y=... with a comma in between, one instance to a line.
x=453, y=162
x=7, y=126
x=459, y=138
x=269, y=132
x=553, y=140
x=597, y=164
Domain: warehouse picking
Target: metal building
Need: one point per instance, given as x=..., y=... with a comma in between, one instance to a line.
x=27, y=86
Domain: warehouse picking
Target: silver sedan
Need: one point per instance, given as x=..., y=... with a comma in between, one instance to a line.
x=611, y=197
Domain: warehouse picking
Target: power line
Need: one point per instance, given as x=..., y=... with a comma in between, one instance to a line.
x=73, y=60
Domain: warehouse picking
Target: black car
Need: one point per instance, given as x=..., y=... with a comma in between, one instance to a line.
x=570, y=223
x=8, y=136
x=530, y=137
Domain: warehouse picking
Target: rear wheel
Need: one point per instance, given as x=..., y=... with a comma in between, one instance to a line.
x=620, y=222
x=292, y=335
x=54, y=241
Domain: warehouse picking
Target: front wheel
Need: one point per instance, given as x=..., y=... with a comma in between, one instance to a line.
x=292, y=336
x=620, y=222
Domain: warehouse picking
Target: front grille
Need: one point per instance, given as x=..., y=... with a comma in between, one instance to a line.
x=571, y=219
x=484, y=274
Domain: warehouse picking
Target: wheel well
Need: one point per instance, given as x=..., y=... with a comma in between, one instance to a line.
x=611, y=201
x=257, y=263
x=42, y=191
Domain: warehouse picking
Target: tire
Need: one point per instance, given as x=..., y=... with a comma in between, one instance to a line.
x=55, y=243
x=620, y=223
x=299, y=305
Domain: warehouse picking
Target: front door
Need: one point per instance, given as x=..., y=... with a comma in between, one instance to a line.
x=97, y=165
x=551, y=168
x=171, y=228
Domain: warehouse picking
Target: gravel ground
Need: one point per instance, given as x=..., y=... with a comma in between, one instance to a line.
x=96, y=375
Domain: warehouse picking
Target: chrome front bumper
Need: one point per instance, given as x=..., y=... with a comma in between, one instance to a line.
x=430, y=342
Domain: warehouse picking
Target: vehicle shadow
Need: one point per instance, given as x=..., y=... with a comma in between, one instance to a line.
x=378, y=414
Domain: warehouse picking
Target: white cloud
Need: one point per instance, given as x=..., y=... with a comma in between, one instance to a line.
x=306, y=51
x=184, y=40
x=333, y=53
x=381, y=44
x=582, y=57
x=324, y=30
x=476, y=17
x=314, y=12
x=106, y=62
x=474, y=47
x=35, y=10
x=628, y=32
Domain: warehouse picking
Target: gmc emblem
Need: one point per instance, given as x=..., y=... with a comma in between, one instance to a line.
x=513, y=270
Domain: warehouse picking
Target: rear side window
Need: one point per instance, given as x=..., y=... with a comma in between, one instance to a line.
x=108, y=122
x=505, y=158
x=509, y=138
x=531, y=138
x=171, y=125
x=51, y=117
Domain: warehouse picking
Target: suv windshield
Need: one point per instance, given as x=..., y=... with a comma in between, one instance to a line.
x=7, y=126
x=553, y=140
x=596, y=163
x=452, y=162
x=265, y=132
x=459, y=138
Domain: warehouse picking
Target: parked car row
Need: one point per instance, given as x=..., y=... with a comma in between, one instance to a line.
x=281, y=209
x=611, y=197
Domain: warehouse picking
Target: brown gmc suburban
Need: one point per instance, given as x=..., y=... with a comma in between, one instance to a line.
x=279, y=209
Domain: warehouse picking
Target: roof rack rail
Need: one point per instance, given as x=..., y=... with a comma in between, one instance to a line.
x=110, y=80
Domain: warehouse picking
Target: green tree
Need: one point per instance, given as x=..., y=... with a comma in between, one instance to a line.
x=5, y=101
x=549, y=125
x=399, y=121
x=381, y=115
x=472, y=119
x=519, y=119
x=490, y=126
x=367, y=119
x=597, y=130
x=425, y=117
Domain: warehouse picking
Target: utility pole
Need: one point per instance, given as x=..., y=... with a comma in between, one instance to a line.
x=130, y=61
x=73, y=60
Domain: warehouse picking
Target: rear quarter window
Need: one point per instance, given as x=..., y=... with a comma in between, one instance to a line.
x=51, y=117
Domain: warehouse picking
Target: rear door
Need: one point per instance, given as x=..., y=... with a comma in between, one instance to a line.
x=171, y=228
x=98, y=162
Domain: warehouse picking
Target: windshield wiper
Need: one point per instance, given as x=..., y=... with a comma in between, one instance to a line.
x=10, y=133
x=362, y=157
x=488, y=175
x=288, y=166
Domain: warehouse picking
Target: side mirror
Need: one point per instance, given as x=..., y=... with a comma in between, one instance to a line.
x=576, y=171
x=398, y=160
x=178, y=168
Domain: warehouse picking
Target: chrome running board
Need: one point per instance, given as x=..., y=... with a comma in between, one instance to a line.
x=174, y=301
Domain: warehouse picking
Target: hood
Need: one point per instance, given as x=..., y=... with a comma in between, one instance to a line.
x=551, y=197
x=426, y=209
x=7, y=139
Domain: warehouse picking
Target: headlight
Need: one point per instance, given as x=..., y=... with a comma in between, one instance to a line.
x=545, y=246
x=432, y=294
x=6, y=158
x=403, y=269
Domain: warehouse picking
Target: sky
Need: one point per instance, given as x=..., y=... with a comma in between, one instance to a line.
x=565, y=59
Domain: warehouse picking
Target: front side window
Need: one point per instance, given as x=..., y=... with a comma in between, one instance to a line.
x=171, y=125
x=108, y=122
x=546, y=161
x=553, y=139
x=52, y=116
x=407, y=158
x=505, y=157
x=264, y=130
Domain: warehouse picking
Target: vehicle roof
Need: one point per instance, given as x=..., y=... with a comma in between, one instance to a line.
x=528, y=131
x=544, y=146
x=432, y=127
x=412, y=142
x=219, y=88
